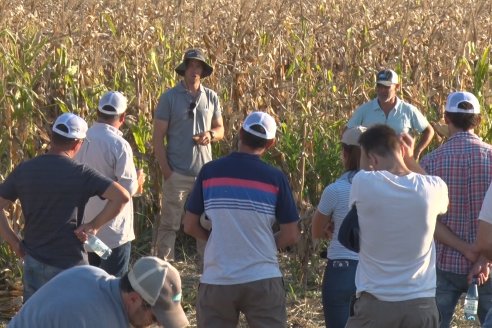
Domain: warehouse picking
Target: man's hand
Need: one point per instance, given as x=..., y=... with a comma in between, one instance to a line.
x=481, y=270
x=84, y=230
x=203, y=138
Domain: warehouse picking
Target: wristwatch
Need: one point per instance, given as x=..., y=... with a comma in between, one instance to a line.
x=212, y=134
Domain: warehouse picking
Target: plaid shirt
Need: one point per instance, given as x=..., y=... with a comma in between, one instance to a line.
x=464, y=162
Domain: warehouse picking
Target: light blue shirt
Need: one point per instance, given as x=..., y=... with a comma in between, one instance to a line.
x=83, y=296
x=404, y=117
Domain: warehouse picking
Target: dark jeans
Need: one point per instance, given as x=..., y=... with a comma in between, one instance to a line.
x=117, y=263
x=450, y=286
x=338, y=288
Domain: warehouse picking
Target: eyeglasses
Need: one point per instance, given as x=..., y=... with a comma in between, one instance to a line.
x=191, y=113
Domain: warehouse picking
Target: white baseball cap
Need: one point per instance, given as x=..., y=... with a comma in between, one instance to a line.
x=70, y=126
x=351, y=135
x=261, y=119
x=462, y=102
x=387, y=77
x=113, y=103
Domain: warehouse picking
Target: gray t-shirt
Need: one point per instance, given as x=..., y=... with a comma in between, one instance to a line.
x=83, y=296
x=183, y=154
x=53, y=191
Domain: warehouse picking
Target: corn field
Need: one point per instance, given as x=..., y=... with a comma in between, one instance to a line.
x=308, y=63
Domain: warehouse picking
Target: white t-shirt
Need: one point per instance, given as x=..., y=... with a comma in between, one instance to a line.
x=397, y=218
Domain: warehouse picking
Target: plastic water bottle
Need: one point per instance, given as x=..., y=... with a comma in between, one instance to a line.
x=98, y=247
x=471, y=302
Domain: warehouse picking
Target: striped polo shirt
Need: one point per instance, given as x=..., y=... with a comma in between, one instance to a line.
x=242, y=197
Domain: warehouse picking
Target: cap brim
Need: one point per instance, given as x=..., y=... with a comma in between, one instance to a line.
x=386, y=83
x=207, y=69
x=172, y=318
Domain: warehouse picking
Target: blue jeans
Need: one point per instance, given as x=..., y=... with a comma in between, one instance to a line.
x=488, y=320
x=450, y=286
x=117, y=263
x=36, y=274
x=338, y=288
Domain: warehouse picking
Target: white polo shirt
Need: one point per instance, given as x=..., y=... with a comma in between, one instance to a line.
x=110, y=154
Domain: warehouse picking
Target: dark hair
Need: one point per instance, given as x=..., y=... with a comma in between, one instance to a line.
x=380, y=139
x=464, y=121
x=108, y=117
x=352, y=153
x=60, y=140
x=125, y=285
x=251, y=140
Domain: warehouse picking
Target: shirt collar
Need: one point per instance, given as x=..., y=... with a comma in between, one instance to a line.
x=99, y=125
x=377, y=107
x=181, y=87
x=464, y=134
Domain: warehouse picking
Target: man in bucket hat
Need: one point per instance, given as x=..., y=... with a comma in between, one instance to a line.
x=86, y=296
x=243, y=197
x=388, y=109
x=53, y=190
x=189, y=118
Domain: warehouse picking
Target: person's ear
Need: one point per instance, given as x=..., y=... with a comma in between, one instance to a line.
x=373, y=160
x=270, y=143
x=446, y=119
x=77, y=145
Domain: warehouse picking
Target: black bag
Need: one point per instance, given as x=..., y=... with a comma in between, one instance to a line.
x=348, y=235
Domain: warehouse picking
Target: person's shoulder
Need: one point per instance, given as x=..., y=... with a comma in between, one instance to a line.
x=406, y=105
x=363, y=174
x=432, y=180
x=370, y=104
x=172, y=91
x=209, y=92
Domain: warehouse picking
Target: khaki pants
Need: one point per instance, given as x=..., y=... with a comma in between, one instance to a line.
x=369, y=312
x=175, y=193
x=262, y=302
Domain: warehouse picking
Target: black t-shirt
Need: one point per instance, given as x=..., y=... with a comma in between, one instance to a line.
x=53, y=191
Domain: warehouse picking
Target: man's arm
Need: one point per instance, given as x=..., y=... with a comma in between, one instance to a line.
x=116, y=197
x=218, y=128
x=192, y=226
x=407, y=146
x=484, y=240
x=321, y=226
x=424, y=140
x=6, y=231
x=205, y=137
x=449, y=238
x=160, y=153
x=288, y=235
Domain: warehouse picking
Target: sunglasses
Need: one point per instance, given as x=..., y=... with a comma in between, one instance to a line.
x=191, y=113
